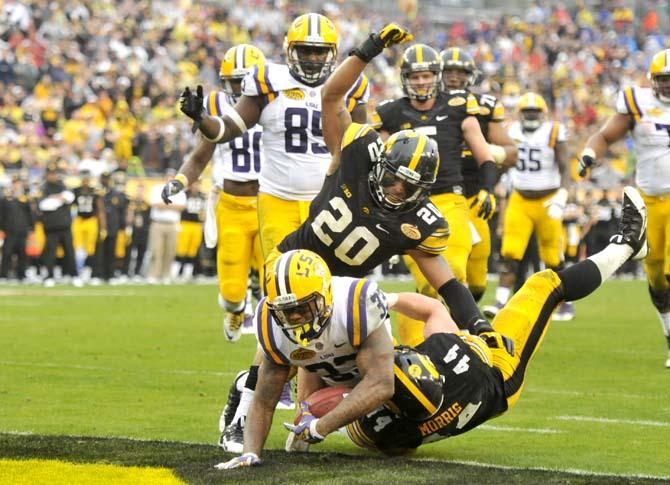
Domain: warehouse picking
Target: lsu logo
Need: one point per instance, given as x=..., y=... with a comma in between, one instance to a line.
x=302, y=354
x=458, y=101
x=411, y=231
x=296, y=94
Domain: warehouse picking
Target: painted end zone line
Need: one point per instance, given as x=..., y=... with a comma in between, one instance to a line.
x=594, y=419
x=490, y=427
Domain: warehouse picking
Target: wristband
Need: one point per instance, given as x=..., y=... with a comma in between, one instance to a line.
x=181, y=178
x=489, y=175
x=588, y=152
x=313, y=431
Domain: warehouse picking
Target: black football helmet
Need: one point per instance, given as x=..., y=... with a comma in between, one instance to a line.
x=418, y=385
x=405, y=170
x=455, y=58
x=420, y=58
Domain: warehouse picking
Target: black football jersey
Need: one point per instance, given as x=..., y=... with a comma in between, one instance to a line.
x=194, y=211
x=349, y=229
x=490, y=110
x=442, y=123
x=473, y=390
x=86, y=200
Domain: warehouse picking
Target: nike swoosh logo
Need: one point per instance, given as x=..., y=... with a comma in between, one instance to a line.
x=440, y=118
x=381, y=228
x=340, y=345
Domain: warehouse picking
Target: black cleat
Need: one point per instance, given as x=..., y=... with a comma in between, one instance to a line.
x=232, y=402
x=232, y=439
x=633, y=223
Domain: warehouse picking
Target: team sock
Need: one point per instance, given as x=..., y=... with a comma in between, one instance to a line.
x=247, y=395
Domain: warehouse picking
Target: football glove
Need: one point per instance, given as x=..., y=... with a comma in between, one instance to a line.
x=497, y=340
x=306, y=428
x=247, y=459
x=484, y=204
x=192, y=105
x=556, y=205
x=586, y=161
x=173, y=187
x=390, y=35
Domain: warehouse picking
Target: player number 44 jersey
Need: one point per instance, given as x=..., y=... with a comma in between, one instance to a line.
x=651, y=136
x=536, y=168
x=241, y=158
x=296, y=157
x=359, y=308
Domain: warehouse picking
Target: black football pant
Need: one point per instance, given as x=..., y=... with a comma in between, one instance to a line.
x=15, y=243
x=61, y=237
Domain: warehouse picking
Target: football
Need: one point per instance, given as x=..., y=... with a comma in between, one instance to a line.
x=324, y=400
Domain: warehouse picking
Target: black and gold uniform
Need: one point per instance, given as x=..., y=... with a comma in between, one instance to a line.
x=85, y=226
x=192, y=219
x=349, y=228
x=116, y=205
x=490, y=111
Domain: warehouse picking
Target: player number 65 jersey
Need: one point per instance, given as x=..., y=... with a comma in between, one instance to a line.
x=241, y=158
x=359, y=308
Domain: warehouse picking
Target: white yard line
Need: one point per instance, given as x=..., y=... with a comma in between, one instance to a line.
x=516, y=429
x=73, y=292
x=113, y=369
x=595, y=419
x=566, y=392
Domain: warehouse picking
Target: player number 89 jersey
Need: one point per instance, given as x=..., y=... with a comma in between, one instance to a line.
x=241, y=158
x=359, y=308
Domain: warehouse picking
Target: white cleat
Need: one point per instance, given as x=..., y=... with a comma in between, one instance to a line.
x=633, y=224
x=667, y=362
x=232, y=325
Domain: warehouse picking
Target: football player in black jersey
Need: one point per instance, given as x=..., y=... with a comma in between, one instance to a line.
x=90, y=222
x=453, y=382
x=449, y=118
x=459, y=72
x=373, y=203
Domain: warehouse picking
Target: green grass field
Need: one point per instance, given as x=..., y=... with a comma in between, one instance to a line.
x=151, y=364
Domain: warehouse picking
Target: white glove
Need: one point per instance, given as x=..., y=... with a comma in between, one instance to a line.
x=247, y=459
x=556, y=205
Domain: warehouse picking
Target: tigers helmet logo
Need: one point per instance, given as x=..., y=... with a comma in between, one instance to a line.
x=456, y=101
x=296, y=94
x=411, y=231
x=302, y=354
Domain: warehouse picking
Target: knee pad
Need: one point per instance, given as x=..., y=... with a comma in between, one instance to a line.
x=660, y=299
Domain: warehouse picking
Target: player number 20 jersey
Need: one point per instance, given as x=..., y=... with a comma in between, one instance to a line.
x=241, y=158
x=536, y=168
x=359, y=308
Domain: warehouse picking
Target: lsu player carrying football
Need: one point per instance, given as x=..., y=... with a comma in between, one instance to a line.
x=449, y=118
x=645, y=112
x=235, y=169
x=459, y=72
x=453, y=382
x=540, y=181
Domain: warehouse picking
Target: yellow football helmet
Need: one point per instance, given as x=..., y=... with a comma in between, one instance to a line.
x=659, y=75
x=237, y=63
x=532, y=110
x=311, y=48
x=299, y=295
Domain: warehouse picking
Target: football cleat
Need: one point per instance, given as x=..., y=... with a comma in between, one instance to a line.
x=564, y=313
x=232, y=439
x=633, y=224
x=232, y=325
x=232, y=401
x=667, y=362
x=490, y=311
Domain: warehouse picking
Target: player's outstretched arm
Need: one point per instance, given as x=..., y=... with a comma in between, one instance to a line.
x=498, y=136
x=420, y=307
x=614, y=129
x=271, y=380
x=375, y=363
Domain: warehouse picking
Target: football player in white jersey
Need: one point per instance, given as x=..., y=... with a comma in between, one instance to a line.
x=335, y=328
x=235, y=169
x=645, y=113
x=540, y=181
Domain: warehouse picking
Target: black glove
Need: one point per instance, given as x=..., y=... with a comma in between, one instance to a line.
x=173, y=187
x=485, y=204
x=495, y=340
x=586, y=161
x=192, y=105
x=390, y=35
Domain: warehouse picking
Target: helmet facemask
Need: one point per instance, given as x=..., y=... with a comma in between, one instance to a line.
x=312, y=63
x=396, y=189
x=660, y=84
x=456, y=77
x=232, y=86
x=301, y=320
x=420, y=91
x=531, y=119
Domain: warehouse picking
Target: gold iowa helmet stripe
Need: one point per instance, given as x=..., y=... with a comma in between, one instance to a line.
x=631, y=104
x=428, y=365
x=553, y=135
x=456, y=54
x=419, y=53
x=418, y=151
x=416, y=392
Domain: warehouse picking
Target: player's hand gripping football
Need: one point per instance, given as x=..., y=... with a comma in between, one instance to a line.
x=484, y=204
x=192, y=105
x=247, y=459
x=306, y=427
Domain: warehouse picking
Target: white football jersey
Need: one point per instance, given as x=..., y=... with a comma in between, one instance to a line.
x=296, y=157
x=359, y=308
x=651, y=136
x=536, y=168
x=241, y=158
